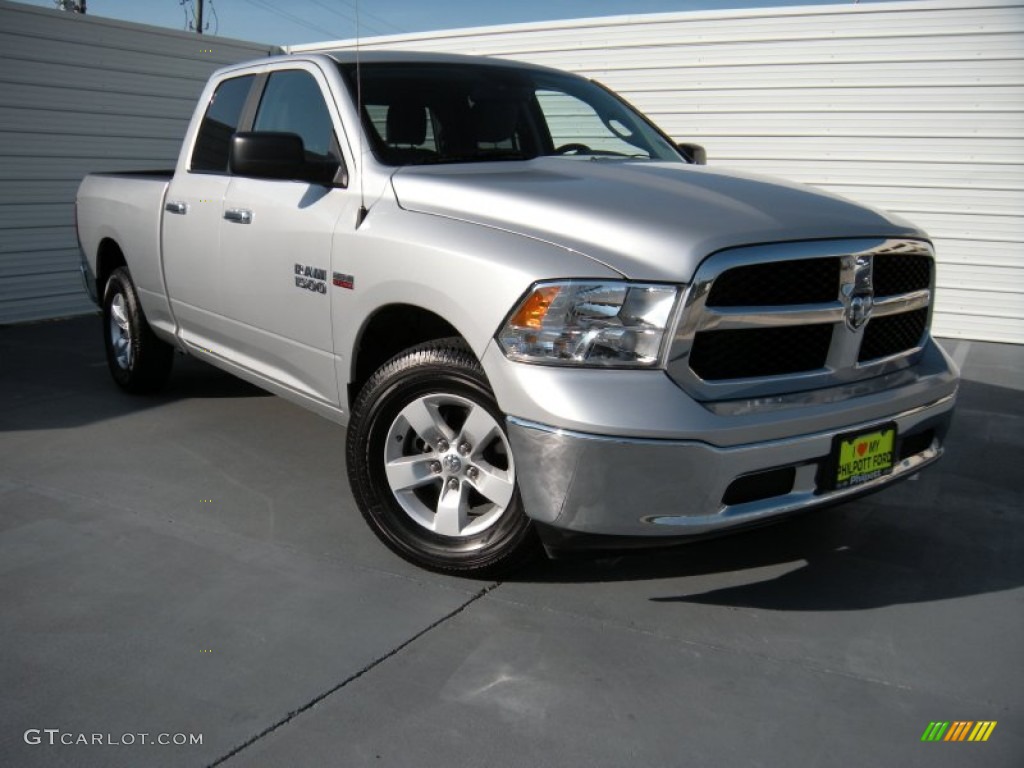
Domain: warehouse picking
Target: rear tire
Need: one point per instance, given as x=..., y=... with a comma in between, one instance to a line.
x=139, y=362
x=431, y=467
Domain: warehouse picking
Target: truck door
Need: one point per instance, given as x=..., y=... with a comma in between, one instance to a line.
x=193, y=211
x=276, y=246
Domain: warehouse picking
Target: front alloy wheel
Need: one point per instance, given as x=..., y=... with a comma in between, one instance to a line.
x=431, y=467
x=449, y=465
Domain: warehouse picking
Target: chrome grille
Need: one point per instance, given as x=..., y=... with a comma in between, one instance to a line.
x=790, y=317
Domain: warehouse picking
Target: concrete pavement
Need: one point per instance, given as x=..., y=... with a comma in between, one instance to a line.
x=193, y=564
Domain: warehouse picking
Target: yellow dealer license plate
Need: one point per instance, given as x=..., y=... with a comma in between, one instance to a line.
x=861, y=457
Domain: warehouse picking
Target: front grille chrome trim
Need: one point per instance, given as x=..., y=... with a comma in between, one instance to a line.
x=732, y=318
x=841, y=364
x=907, y=302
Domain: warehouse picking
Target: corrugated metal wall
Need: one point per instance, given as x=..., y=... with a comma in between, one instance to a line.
x=916, y=107
x=81, y=94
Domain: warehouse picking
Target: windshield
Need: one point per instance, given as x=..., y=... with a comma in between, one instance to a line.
x=418, y=113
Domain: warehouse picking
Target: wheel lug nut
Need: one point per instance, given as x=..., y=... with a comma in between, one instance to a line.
x=472, y=473
x=453, y=484
x=442, y=445
x=435, y=467
x=465, y=448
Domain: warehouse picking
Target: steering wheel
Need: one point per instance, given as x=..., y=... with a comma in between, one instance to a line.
x=573, y=147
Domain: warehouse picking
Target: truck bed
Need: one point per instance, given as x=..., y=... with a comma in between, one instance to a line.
x=126, y=209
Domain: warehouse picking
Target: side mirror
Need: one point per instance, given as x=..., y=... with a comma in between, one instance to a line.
x=695, y=153
x=274, y=155
x=267, y=155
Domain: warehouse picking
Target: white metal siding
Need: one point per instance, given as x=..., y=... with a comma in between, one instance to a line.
x=81, y=94
x=916, y=107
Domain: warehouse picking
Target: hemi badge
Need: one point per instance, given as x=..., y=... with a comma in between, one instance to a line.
x=344, y=281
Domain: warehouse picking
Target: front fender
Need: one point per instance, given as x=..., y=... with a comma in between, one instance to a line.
x=468, y=274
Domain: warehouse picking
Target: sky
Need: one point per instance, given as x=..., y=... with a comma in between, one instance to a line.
x=309, y=21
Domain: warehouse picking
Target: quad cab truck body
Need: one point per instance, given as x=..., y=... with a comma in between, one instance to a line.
x=539, y=319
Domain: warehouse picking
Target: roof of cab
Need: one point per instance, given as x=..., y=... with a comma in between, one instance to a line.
x=350, y=56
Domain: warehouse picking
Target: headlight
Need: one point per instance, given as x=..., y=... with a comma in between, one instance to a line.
x=582, y=322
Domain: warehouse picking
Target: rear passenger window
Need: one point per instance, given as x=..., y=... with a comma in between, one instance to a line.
x=219, y=124
x=292, y=103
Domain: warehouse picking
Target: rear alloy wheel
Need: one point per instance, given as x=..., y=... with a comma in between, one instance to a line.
x=139, y=362
x=431, y=466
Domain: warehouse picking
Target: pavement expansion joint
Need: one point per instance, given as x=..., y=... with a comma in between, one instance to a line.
x=355, y=676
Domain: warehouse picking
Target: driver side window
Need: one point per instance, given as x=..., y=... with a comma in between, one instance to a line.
x=292, y=103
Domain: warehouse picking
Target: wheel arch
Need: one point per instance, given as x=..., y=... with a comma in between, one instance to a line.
x=388, y=331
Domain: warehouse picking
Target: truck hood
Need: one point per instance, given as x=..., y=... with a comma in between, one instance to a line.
x=646, y=220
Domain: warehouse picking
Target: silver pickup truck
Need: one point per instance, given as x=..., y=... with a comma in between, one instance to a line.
x=539, y=319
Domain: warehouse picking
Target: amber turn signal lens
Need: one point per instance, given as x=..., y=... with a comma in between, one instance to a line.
x=532, y=311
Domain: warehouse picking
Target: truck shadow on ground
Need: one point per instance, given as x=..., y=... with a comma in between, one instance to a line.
x=55, y=376
x=954, y=531
x=864, y=555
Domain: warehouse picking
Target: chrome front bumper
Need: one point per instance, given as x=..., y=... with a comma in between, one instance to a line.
x=619, y=486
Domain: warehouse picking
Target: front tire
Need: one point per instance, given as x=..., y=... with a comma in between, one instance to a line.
x=139, y=362
x=431, y=467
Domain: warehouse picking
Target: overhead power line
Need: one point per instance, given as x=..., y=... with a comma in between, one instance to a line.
x=361, y=15
x=216, y=18
x=264, y=5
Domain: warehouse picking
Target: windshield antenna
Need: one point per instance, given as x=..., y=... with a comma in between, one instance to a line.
x=360, y=165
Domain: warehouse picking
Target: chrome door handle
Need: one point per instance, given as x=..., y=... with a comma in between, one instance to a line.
x=176, y=207
x=238, y=215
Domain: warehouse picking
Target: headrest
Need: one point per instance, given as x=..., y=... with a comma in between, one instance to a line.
x=406, y=124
